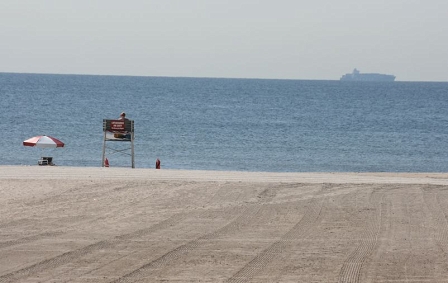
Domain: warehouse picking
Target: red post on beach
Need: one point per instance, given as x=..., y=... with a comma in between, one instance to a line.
x=157, y=164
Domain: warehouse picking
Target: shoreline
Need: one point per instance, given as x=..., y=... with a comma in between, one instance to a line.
x=67, y=172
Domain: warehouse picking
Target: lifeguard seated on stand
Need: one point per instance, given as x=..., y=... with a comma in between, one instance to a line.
x=123, y=135
x=117, y=130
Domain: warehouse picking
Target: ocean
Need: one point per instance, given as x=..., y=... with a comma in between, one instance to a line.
x=229, y=124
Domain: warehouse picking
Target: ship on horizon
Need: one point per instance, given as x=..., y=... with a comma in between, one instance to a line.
x=367, y=77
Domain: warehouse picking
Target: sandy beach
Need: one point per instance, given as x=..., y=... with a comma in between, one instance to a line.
x=79, y=224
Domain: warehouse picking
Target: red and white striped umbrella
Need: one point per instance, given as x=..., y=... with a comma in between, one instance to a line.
x=43, y=142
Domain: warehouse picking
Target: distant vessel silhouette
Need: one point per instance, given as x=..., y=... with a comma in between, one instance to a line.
x=372, y=77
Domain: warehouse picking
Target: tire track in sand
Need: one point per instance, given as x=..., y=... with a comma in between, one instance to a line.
x=29, y=239
x=245, y=217
x=299, y=231
x=439, y=217
x=70, y=256
x=351, y=268
x=57, y=232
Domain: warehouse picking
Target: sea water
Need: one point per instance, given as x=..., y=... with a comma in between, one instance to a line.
x=229, y=124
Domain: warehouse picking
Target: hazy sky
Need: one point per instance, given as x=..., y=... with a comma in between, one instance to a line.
x=286, y=39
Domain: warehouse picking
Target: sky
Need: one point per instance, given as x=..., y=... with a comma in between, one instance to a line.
x=281, y=39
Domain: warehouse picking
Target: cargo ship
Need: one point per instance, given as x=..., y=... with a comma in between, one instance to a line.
x=367, y=77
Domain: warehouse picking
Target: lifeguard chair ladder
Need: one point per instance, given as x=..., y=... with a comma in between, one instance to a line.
x=118, y=131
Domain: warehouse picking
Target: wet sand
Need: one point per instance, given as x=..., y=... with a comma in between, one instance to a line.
x=75, y=224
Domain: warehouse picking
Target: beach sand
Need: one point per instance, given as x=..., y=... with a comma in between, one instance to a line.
x=70, y=224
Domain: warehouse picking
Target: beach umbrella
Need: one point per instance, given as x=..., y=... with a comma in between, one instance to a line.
x=43, y=142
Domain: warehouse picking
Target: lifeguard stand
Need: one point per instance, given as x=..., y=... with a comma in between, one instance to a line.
x=118, y=131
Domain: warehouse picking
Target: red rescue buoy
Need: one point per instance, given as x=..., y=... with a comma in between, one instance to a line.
x=157, y=164
x=106, y=163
